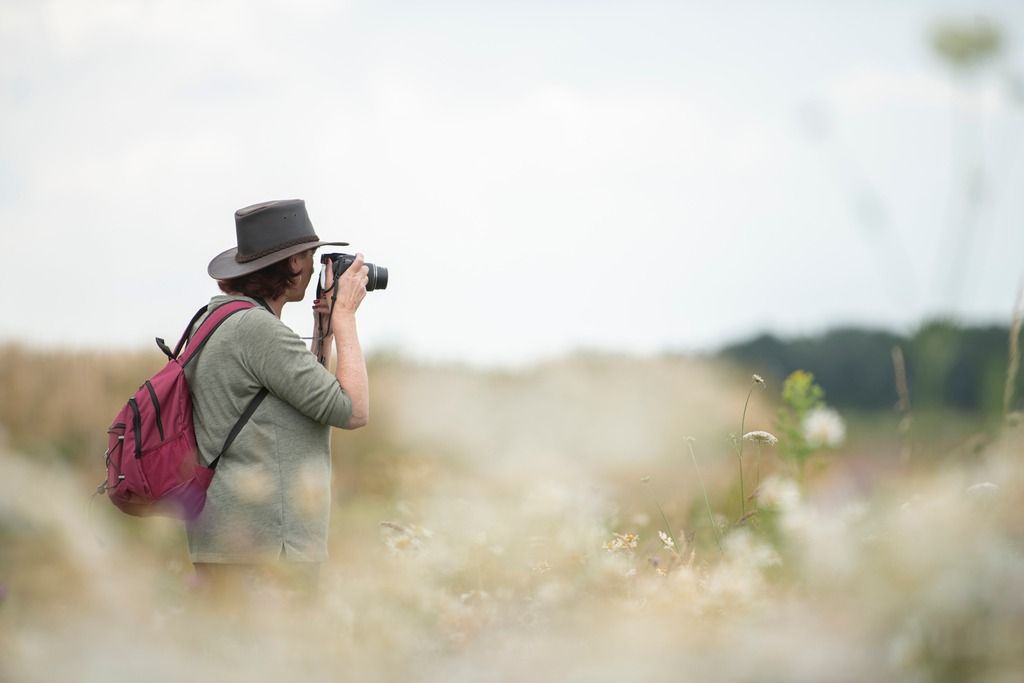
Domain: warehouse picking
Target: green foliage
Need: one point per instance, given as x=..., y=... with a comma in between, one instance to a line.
x=800, y=395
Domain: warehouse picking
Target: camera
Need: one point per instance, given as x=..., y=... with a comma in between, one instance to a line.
x=377, y=277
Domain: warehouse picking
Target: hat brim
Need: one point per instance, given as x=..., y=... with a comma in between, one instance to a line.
x=225, y=267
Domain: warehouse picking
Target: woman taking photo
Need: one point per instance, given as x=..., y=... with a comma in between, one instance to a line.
x=268, y=507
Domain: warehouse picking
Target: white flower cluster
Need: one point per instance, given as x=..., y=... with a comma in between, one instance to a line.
x=761, y=437
x=823, y=427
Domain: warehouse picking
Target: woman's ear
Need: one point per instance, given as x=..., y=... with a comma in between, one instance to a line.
x=296, y=262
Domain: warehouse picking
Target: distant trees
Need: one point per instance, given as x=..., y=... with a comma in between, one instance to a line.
x=948, y=366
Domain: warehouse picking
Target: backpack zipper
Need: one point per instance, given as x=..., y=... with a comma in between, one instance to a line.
x=136, y=426
x=104, y=487
x=156, y=407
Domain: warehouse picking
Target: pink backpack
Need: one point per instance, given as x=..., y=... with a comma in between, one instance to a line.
x=152, y=459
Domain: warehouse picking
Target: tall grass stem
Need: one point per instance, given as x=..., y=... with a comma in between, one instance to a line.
x=899, y=368
x=704, y=491
x=1013, y=364
x=668, y=527
x=739, y=450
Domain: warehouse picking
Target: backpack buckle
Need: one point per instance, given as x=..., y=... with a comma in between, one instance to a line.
x=166, y=349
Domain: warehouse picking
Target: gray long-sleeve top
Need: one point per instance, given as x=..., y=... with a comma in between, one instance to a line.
x=271, y=495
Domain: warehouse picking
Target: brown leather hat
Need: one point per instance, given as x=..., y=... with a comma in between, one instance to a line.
x=267, y=233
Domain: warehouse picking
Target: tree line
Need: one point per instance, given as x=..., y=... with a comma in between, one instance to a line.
x=947, y=365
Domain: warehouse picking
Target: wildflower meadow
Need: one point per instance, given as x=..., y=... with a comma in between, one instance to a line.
x=593, y=518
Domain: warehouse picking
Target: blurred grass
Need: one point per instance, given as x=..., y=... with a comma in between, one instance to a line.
x=499, y=491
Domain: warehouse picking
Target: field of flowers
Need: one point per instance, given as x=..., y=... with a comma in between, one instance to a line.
x=592, y=518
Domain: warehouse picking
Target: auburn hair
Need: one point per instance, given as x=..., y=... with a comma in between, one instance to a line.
x=265, y=283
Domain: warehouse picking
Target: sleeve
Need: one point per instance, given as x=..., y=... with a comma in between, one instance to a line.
x=282, y=363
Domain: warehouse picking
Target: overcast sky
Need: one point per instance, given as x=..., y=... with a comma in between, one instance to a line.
x=537, y=176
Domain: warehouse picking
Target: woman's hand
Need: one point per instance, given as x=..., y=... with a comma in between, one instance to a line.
x=352, y=286
x=351, y=370
x=351, y=291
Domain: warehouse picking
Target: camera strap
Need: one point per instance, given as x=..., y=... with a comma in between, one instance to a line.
x=320, y=355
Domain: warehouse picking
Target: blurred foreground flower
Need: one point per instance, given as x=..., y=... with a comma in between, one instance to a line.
x=622, y=543
x=399, y=538
x=779, y=493
x=542, y=567
x=741, y=546
x=824, y=427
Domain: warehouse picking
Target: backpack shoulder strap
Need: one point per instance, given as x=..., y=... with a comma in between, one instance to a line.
x=246, y=414
x=186, y=334
x=213, y=321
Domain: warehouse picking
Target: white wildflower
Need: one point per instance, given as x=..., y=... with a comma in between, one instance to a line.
x=757, y=379
x=667, y=540
x=761, y=437
x=780, y=493
x=824, y=427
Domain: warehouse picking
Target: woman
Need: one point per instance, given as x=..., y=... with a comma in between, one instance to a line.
x=268, y=507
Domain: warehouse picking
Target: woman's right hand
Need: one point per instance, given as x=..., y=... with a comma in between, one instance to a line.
x=351, y=370
x=351, y=288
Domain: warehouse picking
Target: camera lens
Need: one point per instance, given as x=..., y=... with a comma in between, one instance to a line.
x=377, y=278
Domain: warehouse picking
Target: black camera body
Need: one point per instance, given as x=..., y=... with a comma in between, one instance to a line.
x=377, y=278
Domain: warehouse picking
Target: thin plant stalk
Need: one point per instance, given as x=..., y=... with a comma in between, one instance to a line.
x=1013, y=363
x=903, y=392
x=668, y=527
x=739, y=462
x=739, y=451
x=704, y=491
x=757, y=470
